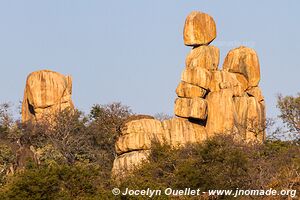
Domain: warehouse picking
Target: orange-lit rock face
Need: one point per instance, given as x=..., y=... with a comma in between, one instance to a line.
x=199, y=29
x=191, y=108
x=189, y=91
x=203, y=56
x=244, y=60
x=46, y=93
x=221, y=112
x=200, y=77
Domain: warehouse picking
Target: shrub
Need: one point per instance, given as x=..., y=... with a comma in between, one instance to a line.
x=220, y=163
x=57, y=182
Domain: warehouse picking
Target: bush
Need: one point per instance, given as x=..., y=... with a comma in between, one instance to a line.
x=220, y=163
x=290, y=112
x=57, y=182
x=104, y=129
x=7, y=158
x=5, y=120
x=76, y=153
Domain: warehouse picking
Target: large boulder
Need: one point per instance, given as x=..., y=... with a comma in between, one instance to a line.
x=134, y=143
x=128, y=162
x=197, y=76
x=182, y=131
x=140, y=123
x=46, y=93
x=226, y=80
x=199, y=29
x=244, y=60
x=191, y=108
x=189, y=91
x=139, y=134
x=203, y=56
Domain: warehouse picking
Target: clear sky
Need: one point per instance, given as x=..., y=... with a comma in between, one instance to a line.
x=133, y=52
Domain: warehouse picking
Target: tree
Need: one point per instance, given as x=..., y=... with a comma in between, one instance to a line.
x=162, y=116
x=64, y=134
x=5, y=119
x=290, y=111
x=68, y=134
x=105, y=125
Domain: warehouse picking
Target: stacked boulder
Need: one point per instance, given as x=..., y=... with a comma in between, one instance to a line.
x=201, y=62
x=210, y=101
x=224, y=101
x=249, y=106
x=46, y=93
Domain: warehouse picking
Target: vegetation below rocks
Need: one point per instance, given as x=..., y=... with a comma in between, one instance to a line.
x=71, y=158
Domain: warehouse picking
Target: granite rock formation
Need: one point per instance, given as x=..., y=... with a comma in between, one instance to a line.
x=210, y=100
x=46, y=93
x=226, y=100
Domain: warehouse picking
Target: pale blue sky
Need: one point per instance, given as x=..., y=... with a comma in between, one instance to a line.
x=133, y=52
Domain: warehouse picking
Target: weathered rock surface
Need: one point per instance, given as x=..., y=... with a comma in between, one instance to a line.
x=191, y=108
x=255, y=120
x=181, y=132
x=134, y=144
x=197, y=76
x=243, y=115
x=221, y=112
x=144, y=125
x=46, y=93
x=245, y=61
x=199, y=29
x=226, y=80
x=255, y=92
x=203, y=56
x=241, y=108
x=250, y=118
x=129, y=161
x=242, y=80
x=138, y=135
x=188, y=90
